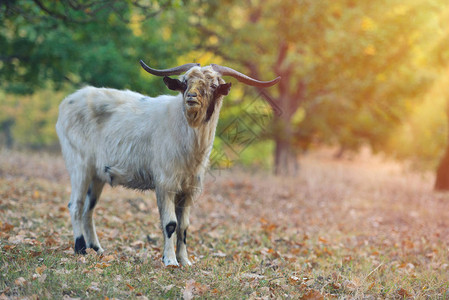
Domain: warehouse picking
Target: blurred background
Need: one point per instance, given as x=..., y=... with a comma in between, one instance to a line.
x=355, y=74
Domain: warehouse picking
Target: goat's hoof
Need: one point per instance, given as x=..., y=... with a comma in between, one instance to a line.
x=185, y=261
x=96, y=248
x=81, y=251
x=80, y=245
x=170, y=262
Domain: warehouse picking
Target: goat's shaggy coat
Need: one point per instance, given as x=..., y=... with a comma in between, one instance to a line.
x=125, y=138
x=162, y=144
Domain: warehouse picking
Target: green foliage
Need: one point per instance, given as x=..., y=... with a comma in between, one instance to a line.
x=352, y=72
x=72, y=47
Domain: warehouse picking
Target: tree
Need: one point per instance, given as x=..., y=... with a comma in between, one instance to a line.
x=348, y=69
x=67, y=44
x=442, y=173
x=80, y=42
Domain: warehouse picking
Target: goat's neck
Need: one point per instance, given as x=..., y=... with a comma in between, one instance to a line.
x=204, y=135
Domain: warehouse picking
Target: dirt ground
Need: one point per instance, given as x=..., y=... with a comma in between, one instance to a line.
x=352, y=228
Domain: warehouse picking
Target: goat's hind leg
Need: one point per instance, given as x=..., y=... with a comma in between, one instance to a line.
x=93, y=194
x=80, y=185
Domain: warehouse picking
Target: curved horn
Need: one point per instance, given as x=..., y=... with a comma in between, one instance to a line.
x=167, y=72
x=225, y=71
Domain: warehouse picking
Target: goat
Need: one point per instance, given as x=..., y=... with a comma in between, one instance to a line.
x=161, y=144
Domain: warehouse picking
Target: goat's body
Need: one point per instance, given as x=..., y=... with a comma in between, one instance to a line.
x=121, y=136
x=125, y=138
x=162, y=144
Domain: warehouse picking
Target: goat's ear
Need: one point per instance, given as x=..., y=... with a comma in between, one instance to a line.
x=223, y=89
x=174, y=84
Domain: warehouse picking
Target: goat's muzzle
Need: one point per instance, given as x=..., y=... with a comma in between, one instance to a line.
x=192, y=102
x=191, y=99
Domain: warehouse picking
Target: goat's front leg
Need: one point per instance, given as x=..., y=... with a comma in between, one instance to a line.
x=183, y=203
x=166, y=205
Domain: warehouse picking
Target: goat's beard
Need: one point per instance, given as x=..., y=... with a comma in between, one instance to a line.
x=194, y=116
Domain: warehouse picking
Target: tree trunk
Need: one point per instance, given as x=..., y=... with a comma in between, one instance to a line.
x=6, y=127
x=442, y=178
x=285, y=161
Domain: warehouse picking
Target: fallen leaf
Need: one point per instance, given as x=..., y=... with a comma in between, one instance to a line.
x=403, y=293
x=40, y=270
x=7, y=227
x=108, y=258
x=263, y=220
x=91, y=251
x=8, y=247
x=31, y=241
x=214, y=291
x=347, y=259
x=269, y=228
x=323, y=240
x=137, y=245
x=349, y=285
x=187, y=293
x=312, y=295
x=3, y=296
x=51, y=242
x=35, y=253
x=200, y=289
x=102, y=265
x=20, y=281
x=336, y=286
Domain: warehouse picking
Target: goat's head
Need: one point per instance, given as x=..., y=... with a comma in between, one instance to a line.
x=203, y=88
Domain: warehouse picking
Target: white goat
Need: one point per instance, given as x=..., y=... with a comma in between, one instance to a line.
x=162, y=144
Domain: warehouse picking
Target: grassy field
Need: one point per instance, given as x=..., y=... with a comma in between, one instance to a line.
x=342, y=229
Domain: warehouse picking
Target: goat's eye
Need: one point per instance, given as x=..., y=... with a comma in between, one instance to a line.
x=214, y=86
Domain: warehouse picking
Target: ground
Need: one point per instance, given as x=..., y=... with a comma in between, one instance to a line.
x=360, y=228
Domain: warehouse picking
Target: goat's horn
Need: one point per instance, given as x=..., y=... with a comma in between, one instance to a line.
x=167, y=72
x=225, y=71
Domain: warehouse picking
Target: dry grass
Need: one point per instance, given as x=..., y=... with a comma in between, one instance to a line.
x=345, y=229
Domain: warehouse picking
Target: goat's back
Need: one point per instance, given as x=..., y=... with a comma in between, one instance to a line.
x=122, y=134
